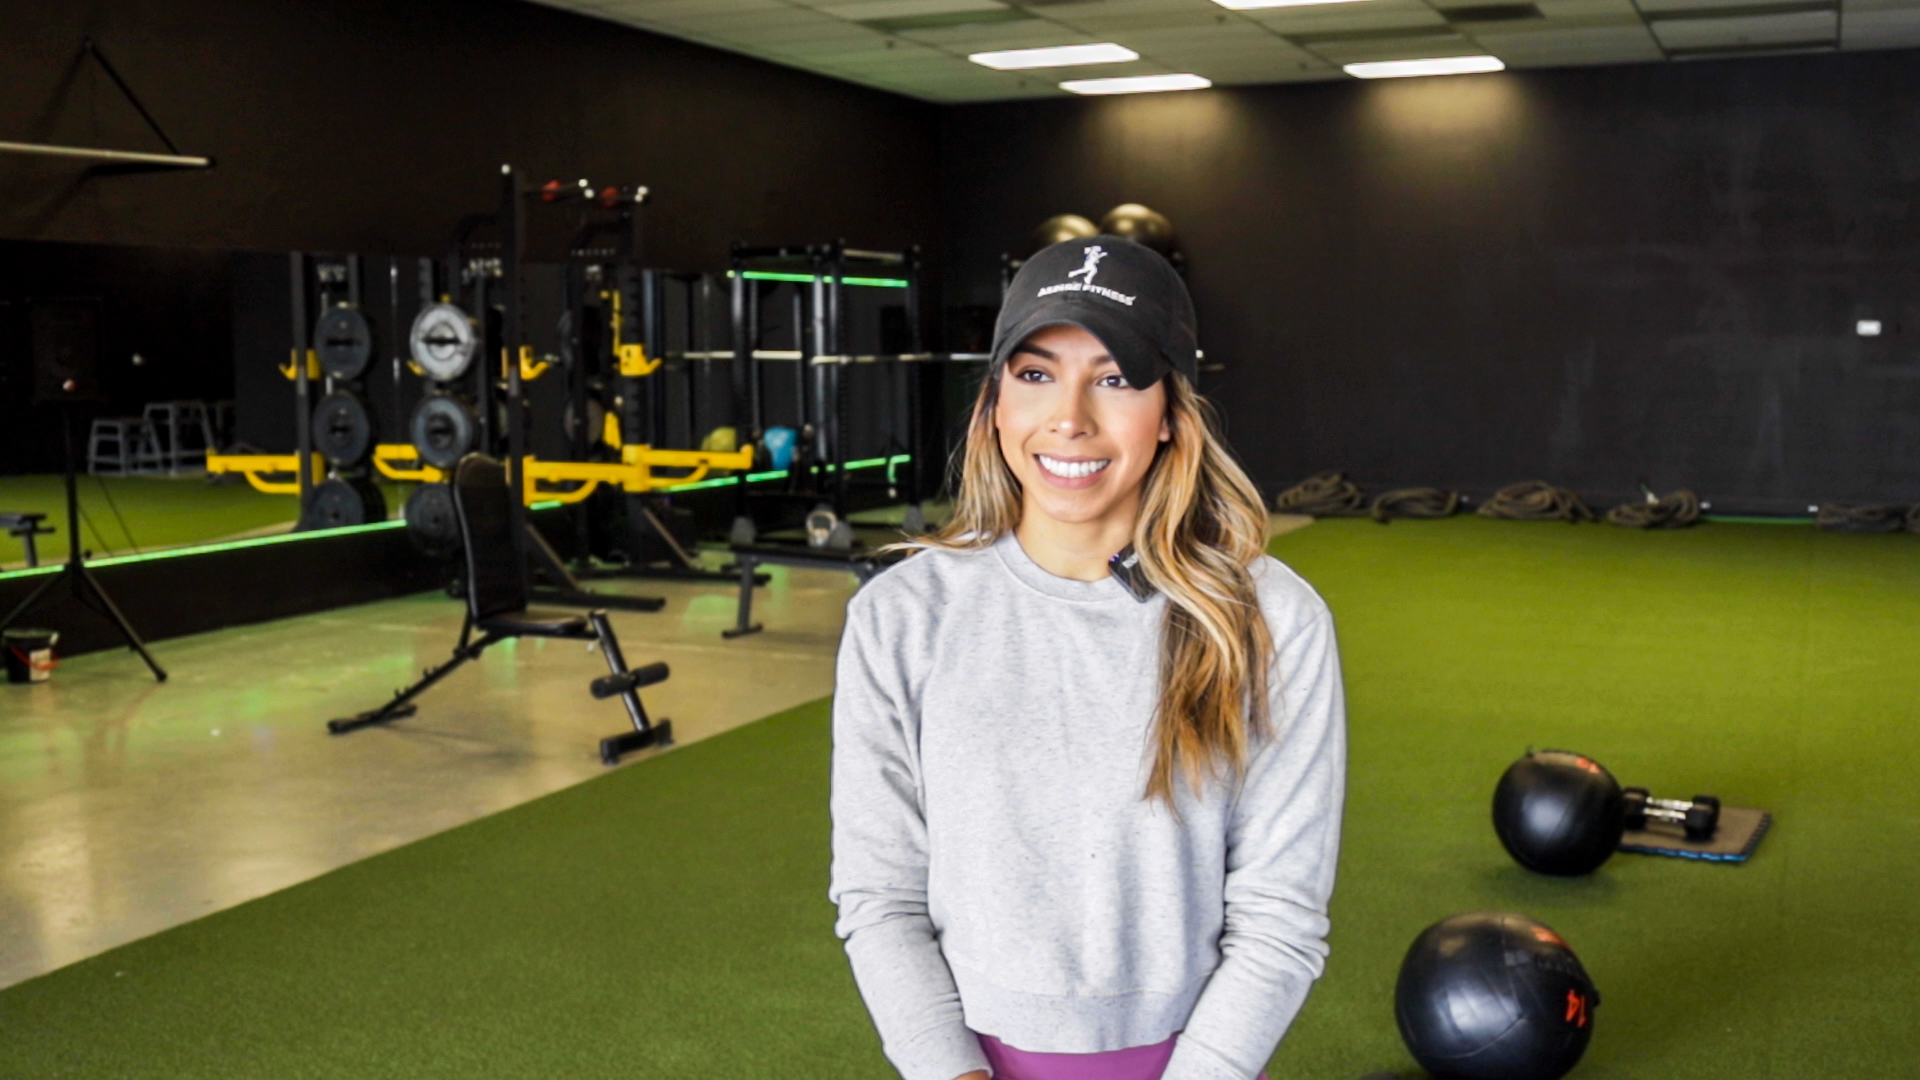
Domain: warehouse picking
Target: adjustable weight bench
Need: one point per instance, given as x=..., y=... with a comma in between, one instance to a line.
x=497, y=609
x=862, y=562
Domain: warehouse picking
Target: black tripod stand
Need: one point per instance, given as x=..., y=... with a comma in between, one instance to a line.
x=86, y=588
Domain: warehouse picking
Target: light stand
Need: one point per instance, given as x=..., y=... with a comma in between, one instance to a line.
x=86, y=588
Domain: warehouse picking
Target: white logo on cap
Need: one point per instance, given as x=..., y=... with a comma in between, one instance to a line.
x=1091, y=267
x=1094, y=255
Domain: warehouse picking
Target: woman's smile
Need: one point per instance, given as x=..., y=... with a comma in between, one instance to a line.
x=1071, y=472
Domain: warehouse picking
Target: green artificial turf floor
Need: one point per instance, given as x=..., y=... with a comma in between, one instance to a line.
x=669, y=920
x=152, y=512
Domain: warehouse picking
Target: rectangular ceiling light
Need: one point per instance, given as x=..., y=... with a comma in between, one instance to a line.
x=1136, y=84
x=1442, y=65
x=1252, y=5
x=1055, y=56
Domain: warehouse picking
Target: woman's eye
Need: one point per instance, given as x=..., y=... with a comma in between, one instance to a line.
x=1035, y=372
x=1118, y=382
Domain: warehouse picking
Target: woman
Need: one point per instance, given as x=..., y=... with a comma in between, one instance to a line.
x=1089, y=745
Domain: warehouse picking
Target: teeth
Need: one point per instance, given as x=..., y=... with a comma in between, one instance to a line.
x=1072, y=469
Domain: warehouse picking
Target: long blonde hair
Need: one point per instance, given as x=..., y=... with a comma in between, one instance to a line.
x=1201, y=527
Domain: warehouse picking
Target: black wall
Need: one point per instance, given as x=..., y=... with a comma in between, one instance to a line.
x=1586, y=275
x=363, y=125
x=167, y=306
x=1591, y=276
x=366, y=125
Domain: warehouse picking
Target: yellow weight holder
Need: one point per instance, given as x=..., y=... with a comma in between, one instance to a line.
x=632, y=355
x=313, y=366
x=257, y=467
x=530, y=369
x=633, y=473
x=634, y=363
x=400, y=461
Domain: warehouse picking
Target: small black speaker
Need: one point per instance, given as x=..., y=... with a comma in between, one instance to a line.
x=66, y=350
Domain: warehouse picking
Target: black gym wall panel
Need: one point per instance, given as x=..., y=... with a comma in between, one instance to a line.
x=166, y=306
x=373, y=125
x=1589, y=276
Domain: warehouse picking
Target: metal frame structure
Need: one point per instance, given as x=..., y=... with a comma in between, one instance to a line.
x=822, y=348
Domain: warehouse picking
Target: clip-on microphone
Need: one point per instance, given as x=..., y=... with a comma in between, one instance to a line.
x=1125, y=567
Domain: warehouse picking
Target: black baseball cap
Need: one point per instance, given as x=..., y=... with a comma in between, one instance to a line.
x=1126, y=295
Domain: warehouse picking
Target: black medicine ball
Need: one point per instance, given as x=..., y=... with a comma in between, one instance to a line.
x=1559, y=813
x=1493, y=996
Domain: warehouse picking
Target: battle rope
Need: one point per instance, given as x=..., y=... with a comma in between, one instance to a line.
x=1328, y=494
x=1674, y=510
x=1535, y=500
x=1840, y=517
x=1420, y=502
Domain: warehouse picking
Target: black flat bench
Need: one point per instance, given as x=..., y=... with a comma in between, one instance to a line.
x=26, y=526
x=863, y=562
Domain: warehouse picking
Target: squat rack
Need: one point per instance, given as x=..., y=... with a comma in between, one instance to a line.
x=822, y=349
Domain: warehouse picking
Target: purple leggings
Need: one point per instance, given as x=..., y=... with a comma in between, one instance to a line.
x=1133, y=1063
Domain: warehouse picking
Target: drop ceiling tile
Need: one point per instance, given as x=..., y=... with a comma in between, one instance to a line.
x=1576, y=9
x=1894, y=28
x=1563, y=33
x=1230, y=48
x=1666, y=7
x=1026, y=34
x=1572, y=58
x=1422, y=48
x=725, y=23
x=1214, y=34
x=1605, y=45
x=1145, y=20
x=826, y=52
x=805, y=41
x=1286, y=74
x=1271, y=68
x=1745, y=31
x=902, y=9
x=890, y=63
x=660, y=10
x=1073, y=12
x=1218, y=55
x=1362, y=17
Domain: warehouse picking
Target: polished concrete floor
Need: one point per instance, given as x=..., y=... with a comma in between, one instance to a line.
x=127, y=806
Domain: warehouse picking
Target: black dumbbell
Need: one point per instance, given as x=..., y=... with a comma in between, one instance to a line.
x=1699, y=818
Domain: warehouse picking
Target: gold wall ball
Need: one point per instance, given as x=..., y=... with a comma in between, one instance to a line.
x=1060, y=228
x=1143, y=225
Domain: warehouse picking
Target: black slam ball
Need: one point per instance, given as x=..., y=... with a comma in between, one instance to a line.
x=1494, y=996
x=1559, y=813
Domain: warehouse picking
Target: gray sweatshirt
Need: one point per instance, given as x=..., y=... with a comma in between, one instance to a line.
x=996, y=867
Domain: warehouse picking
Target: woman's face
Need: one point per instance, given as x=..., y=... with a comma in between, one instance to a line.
x=1078, y=437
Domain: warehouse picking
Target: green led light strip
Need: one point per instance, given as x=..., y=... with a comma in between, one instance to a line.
x=872, y=282
x=208, y=549
x=781, y=474
x=397, y=523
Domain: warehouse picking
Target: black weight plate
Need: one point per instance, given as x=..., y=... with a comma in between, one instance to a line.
x=443, y=430
x=342, y=430
x=337, y=503
x=344, y=341
x=431, y=523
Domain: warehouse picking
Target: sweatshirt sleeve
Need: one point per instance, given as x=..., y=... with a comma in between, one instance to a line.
x=1282, y=848
x=879, y=873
